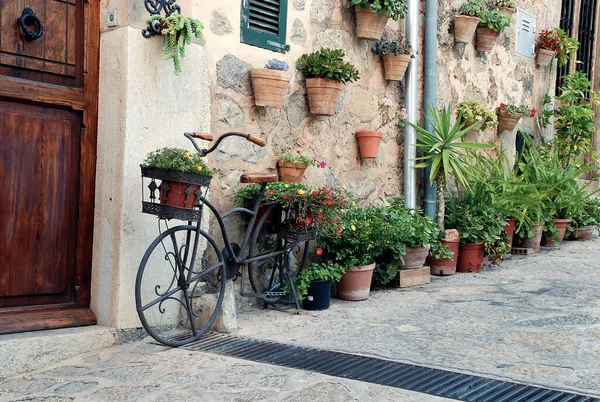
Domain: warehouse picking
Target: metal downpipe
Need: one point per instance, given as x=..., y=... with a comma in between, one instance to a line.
x=430, y=91
x=410, y=151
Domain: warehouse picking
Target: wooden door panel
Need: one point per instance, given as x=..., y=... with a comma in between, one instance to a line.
x=53, y=58
x=39, y=173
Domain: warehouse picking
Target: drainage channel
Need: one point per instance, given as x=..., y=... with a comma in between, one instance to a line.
x=441, y=383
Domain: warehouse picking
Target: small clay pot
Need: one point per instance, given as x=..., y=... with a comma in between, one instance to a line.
x=582, y=233
x=448, y=267
x=291, y=172
x=507, y=122
x=368, y=143
x=369, y=25
x=394, y=66
x=464, y=28
x=509, y=228
x=270, y=86
x=415, y=257
x=486, y=39
x=356, y=283
x=175, y=194
x=508, y=11
x=535, y=241
x=470, y=257
x=544, y=56
x=561, y=225
x=323, y=95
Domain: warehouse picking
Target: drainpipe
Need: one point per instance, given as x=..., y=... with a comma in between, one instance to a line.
x=410, y=150
x=430, y=90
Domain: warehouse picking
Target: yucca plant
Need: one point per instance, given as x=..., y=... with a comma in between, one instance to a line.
x=444, y=150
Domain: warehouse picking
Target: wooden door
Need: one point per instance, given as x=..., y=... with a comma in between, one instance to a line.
x=48, y=123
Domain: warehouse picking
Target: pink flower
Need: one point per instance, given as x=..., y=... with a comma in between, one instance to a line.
x=323, y=164
x=404, y=113
x=387, y=102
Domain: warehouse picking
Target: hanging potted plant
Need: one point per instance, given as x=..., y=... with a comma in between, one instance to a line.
x=270, y=84
x=178, y=31
x=506, y=7
x=548, y=44
x=292, y=165
x=492, y=24
x=372, y=15
x=509, y=115
x=313, y=283
x=473, y=113
x=325, y=72
x=396, y=56
x=182, y=172
x=369, y=140
x=467, y=19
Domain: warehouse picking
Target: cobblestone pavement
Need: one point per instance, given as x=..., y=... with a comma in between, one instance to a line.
x=534, y=319
x=142, y=371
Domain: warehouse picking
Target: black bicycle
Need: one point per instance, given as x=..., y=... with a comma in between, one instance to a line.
x=178, y=292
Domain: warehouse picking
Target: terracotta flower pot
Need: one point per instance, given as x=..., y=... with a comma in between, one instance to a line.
x=270, y=86
x=395, y=66
x=369, y=25
x=175, y=194
x=486, y=39
x=368, y=143
x=509, y=228
x=561, y=225
x=507, y=122
x=415, y=257
x=470, y=257
x=464, y=28
x=582, y=233
x=544, y=56
x=291, y=172
x=535, y=241
x=356, y=283
x=323, y=95
x=508, y=11
x=441, y=267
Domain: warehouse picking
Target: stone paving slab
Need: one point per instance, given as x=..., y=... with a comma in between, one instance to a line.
x=535, y=319
x=143, y=371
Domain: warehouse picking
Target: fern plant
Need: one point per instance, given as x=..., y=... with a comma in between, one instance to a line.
x=178, y=31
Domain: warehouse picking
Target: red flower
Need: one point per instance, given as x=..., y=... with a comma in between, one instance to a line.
x=340, y=226
x=285, y=197
x=324, y=188
x=533, y=112
x=340, y=201
x=319, y=251
x=309, y=221
x=335, y=221
x=314, y=193
x=320, y=216
x=338, y=233
x=271, y=191
x=502, y=106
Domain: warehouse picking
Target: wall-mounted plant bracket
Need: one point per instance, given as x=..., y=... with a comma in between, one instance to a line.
x=156, y=7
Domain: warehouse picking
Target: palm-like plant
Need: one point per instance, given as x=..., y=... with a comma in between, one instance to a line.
x=444, y=150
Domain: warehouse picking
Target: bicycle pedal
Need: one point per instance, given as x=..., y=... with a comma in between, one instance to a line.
x=275, y=294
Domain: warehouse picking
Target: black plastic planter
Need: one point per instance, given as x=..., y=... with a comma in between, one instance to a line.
x=318, y=296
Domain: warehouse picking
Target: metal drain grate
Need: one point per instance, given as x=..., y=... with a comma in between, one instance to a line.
x=426, y=380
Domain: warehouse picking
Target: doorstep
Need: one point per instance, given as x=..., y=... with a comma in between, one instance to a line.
x=28, y=351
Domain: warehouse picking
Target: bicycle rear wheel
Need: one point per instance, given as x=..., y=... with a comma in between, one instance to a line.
x=178, y=294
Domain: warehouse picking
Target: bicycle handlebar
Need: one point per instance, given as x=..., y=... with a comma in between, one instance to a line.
x=208, y=137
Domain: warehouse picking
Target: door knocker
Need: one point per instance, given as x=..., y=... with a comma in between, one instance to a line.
x=31, y=26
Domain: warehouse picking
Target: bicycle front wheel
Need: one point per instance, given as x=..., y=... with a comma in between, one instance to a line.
x=178, y=293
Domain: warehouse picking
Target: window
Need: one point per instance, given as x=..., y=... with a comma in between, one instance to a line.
x=525, y=43
x=264, y=24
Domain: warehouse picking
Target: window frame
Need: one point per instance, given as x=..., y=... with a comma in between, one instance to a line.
x=253, y=37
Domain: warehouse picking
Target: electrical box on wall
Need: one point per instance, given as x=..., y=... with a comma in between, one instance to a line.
x=525, y=38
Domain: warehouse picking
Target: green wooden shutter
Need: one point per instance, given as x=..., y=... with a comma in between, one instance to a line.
x=264, y=24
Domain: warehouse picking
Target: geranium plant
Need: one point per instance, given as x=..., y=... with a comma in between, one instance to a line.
x=549, y=40
x=297, y=157
x=383, y=47
x=395, y=9
x=328, y=64
x=474, y=112
x=178, y=159
x=512, y=110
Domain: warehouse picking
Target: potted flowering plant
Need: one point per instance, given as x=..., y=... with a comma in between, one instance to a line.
x=509, y=115
x=325, y=72
x=292, y=165
x=186, y=172
x=372, y=15
x=548, y=44
x=492, y=24
x=467, y=19
x=584, y=222
x=369, y=140
x=396, y=56
x=506, y=7
x=470, y=112
x=270, y=84
x=313, y=283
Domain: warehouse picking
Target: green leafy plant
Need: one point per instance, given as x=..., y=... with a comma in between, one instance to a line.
x=443, y=149
x=395, y=9
x=316, y=271
x=474, y=112
x=505, y=3
x=178, y=159
x=589, y=215
x=383, y=47
x=547, y=112
x=512, y=110
x=328, y=64
x=495, y=20
x=567, y=47
x=288, y=155
x=473, y=8
x=178, y=31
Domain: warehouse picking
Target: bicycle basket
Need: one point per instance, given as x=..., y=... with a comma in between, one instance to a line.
x=179, y=193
